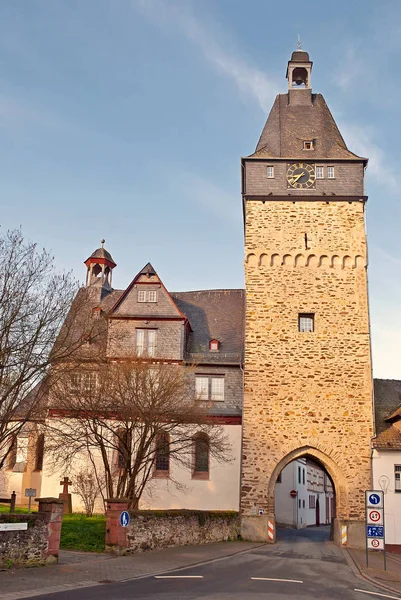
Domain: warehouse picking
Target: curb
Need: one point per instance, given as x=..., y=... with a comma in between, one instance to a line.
x=64, y=587
x=359, y=573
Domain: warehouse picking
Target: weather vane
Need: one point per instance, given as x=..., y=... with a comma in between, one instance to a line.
x=102, y=241
x=299, y=43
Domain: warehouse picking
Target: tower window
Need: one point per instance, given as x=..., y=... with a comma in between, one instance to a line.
x=306, y=322
x=319, y=172
x=308, y=145
x=397, y=478
x=330, y=172
x=270, y=173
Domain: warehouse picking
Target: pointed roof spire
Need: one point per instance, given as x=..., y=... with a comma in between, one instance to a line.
x=299, y=46
x=147, y=270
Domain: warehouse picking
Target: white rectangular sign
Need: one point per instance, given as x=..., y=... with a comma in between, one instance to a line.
x=374, y=499
x=30, y=492
x=375, y=543
x=13, y=526
x=374, y=516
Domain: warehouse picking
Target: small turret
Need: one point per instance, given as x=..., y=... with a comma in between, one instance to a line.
x=100, y=266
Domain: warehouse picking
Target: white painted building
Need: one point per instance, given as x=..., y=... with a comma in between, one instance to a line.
x=386, y=456
x=303, y=495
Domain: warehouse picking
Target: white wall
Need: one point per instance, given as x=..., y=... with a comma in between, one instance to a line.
x=383, y=462
x=219, y=492
x=291, y=511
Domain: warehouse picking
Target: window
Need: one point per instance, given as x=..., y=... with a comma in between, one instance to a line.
x=330, y=172
x=40, y=448
x=299, y=503
x=162, y=455
x=308, y=145
x=201, y=457
x=299, y=474
x=306, y=322
x=303, y=503
x=209, y=388
x=312, y=502
x=124, y=444
x=270, y=173
x=145, y=342
x=12, y=454
x=83, y=382
x=214, y=345
x=303, y=476
x=397, y=478
x=147, y=296
x=319, y=172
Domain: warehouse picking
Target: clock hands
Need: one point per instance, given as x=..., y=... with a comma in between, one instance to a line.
x=296, y=177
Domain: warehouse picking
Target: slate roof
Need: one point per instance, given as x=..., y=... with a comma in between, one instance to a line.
x=314, y=122
x=387, y=402
x=102, y=253
x=387, y=399
x=214, y=314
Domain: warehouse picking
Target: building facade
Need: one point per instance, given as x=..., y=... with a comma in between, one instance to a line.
x=308, y=378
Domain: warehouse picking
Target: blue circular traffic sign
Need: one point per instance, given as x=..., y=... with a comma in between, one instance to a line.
x=374, y=499
x=124, y=519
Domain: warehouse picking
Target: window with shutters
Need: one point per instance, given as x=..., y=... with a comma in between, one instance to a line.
x=397, y=478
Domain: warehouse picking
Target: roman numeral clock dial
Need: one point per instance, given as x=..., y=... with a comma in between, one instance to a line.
x=301, y=176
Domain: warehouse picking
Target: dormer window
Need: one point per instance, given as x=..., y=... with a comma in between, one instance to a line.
x=308, y=145
x=214, y=345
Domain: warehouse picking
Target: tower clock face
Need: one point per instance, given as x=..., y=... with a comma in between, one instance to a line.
x=301, y=176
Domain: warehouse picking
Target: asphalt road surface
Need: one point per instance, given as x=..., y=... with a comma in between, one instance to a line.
x=303, y=565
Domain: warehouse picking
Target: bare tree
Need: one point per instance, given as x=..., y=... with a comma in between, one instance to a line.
x=88, y=487
x=34, y=302
x=130, y=417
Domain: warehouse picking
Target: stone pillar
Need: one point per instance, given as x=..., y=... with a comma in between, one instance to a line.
x=116, y=535
x=51, y=511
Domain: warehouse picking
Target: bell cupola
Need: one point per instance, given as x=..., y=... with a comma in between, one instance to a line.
x=100, y=266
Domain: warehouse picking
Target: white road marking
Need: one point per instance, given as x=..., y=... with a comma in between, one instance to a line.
x=377, y=594
x=178, y=576
x=287, y=580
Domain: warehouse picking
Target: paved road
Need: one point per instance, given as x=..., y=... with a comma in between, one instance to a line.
x=317, y=570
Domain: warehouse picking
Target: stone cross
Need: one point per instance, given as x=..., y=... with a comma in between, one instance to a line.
x=65, y=483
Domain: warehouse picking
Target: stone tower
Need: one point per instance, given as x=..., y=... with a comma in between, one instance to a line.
x=308, y=379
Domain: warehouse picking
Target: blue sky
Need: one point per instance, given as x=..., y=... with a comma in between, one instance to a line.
x=126, y=119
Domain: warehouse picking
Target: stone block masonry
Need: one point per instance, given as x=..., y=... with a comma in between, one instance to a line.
x=36, y=545
x=306, y=393
x=149, y=530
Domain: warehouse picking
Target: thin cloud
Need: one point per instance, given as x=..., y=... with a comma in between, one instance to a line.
x=249, y=80
x=359, y=140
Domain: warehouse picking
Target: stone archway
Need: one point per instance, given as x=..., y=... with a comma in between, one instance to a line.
x=333, y=469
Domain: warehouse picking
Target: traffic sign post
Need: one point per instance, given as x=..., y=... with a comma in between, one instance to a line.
x=375, y=536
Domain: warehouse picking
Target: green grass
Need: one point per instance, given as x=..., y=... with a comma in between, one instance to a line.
x=84, y=534
x=5, y=508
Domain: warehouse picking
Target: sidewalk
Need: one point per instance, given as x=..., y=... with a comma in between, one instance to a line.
x=375, y=573
x=82, y=569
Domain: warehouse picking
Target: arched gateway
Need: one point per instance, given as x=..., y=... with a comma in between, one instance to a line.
x=308, y=381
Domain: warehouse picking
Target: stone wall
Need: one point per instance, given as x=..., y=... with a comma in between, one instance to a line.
x=39, y=543
x=149, y=530
x=306, y=393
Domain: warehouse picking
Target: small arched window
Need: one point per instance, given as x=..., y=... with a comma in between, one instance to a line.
x=201, y=456
x=162, y=455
